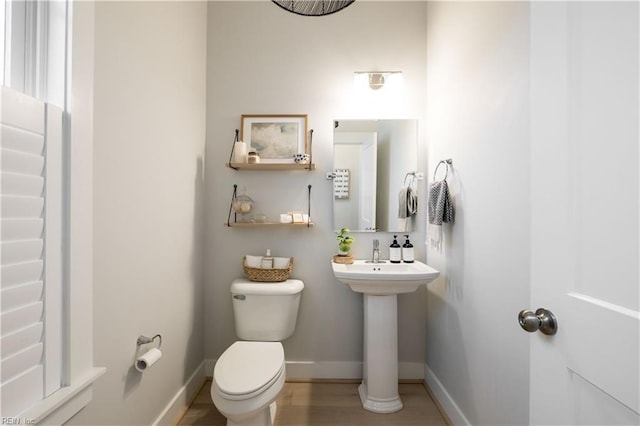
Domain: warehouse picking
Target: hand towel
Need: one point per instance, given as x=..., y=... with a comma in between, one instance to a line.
x=407, y=203
x=441, y=211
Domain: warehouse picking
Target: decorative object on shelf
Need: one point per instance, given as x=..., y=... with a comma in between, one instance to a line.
x=238, y=151
x=277, y=273
x=313, y=7
x=253, y=158
x=301, y=158
x=297, y=217
x=276, y=138
x=286, y=218
x=259, y=218
x=240, y=204
x=243, y=204
x=344, y=242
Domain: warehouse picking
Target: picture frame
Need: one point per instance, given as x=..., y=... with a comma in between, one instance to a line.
x=276, y=137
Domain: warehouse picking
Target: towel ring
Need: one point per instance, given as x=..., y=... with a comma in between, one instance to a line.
x=446, y=163
x=412, y=181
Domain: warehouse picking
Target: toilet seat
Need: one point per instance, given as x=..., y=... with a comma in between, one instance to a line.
x=246, y=369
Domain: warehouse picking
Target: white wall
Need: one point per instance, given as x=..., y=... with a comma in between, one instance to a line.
x=149, y=132
x=478, y=115
x=263, y=60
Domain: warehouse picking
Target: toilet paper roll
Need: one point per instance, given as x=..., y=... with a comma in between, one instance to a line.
x=148, y=359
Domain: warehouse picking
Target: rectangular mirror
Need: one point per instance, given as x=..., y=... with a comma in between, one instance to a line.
x=373, y=161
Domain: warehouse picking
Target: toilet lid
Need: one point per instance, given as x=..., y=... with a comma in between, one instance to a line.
x=245, y=367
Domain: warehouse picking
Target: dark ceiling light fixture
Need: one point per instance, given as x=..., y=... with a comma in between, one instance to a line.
x=313, y=7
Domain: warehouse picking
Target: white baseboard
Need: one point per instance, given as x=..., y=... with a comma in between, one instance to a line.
x=411, y=371
x=182, y=398
x=446, y=402
x=307, y=370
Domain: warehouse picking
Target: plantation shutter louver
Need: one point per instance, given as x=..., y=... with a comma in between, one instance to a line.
x=31, y=251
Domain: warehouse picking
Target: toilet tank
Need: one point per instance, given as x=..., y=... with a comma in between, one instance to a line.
x=265, y=311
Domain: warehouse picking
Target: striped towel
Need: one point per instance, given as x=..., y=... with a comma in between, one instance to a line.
x=440, y=211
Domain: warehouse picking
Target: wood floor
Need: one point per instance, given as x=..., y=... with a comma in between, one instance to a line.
x=327, y=404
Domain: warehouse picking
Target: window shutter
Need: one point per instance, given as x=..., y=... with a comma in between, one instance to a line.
x=30, y=253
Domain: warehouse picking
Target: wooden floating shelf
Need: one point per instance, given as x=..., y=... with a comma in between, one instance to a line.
x=267, y=224
x=271, y=166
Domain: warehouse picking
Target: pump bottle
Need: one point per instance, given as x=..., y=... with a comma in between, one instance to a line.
x=267, y=260
x=407, y=251
x=395, y=251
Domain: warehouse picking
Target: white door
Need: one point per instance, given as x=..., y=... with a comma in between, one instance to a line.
x=584, y=222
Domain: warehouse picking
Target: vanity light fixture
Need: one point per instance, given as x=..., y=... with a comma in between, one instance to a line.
x=376, y=79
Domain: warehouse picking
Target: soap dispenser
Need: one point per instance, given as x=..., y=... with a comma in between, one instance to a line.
x=267, y=260
x=407, y=251
x=395, y=253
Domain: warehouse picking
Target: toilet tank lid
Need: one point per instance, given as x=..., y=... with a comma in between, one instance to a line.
x=245, y=286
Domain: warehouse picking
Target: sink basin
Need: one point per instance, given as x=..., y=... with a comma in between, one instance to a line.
x=384, y=278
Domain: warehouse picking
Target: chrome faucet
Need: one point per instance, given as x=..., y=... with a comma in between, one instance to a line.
x=375, y=257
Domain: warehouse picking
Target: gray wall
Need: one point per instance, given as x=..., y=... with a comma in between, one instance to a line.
x=263, y=60
x=148, y=196
x=478, y=115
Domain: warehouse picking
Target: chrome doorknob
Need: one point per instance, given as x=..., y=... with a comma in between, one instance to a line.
x=542, y=320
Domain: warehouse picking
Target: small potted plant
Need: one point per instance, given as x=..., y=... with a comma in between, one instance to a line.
x=344, y=242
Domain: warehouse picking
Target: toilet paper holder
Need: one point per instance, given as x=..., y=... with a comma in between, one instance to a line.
x=149, y=357
x=143, y=340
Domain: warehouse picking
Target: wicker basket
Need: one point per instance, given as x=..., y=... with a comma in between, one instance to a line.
x=271, y=275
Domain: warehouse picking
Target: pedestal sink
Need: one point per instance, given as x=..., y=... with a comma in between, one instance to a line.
x=380, y=284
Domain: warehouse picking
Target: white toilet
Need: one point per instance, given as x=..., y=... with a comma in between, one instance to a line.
x=250, y=374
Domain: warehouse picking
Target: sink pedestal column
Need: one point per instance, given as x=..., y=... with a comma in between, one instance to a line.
x=379, y=388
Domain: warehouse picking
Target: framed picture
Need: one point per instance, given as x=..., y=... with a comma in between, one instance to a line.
x=276, y=138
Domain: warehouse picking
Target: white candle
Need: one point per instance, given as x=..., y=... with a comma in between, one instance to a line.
x=239, y=152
